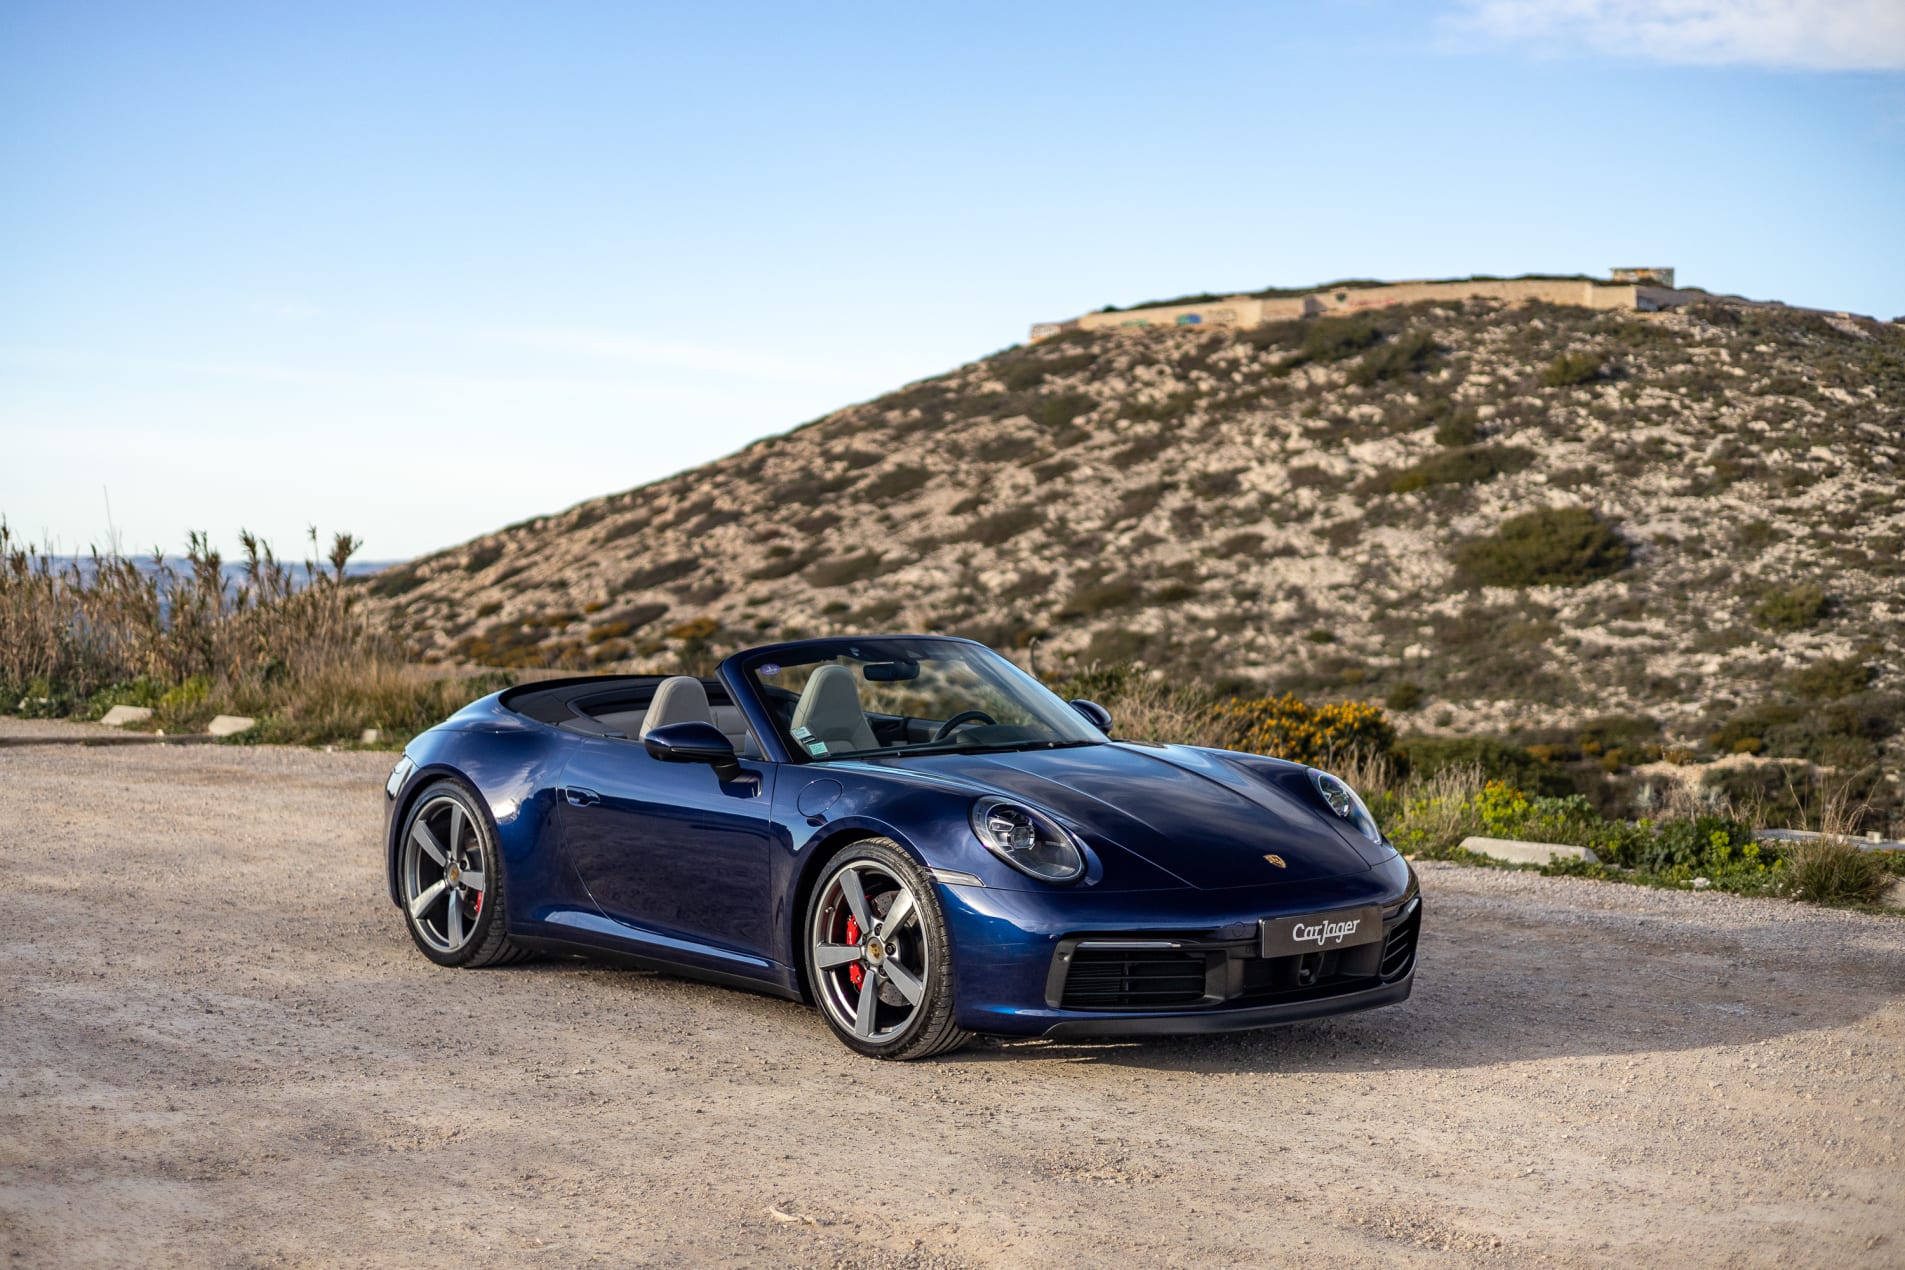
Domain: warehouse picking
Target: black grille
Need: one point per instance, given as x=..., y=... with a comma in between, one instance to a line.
x=1119, y=979
x=1303, y=977
x=1199, y=971
x=1399, y=949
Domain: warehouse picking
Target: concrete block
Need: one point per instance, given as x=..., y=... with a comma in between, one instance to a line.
x=370, y=736
x=1527, y=852
x=120, y=716
x=230, y=725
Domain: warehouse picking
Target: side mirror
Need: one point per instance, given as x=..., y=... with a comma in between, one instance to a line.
x=694, y=743
x=1095, y=714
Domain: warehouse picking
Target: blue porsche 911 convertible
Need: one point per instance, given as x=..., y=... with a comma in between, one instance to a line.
x=908, y=831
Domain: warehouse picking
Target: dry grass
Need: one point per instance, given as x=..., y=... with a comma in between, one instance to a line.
x=190, y=643
x=1149, y=710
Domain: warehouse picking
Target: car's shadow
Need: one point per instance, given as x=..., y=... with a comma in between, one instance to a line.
x=1478, y=1003
x=1510, y=988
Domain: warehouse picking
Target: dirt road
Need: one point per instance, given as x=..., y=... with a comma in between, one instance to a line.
x=218, y=1047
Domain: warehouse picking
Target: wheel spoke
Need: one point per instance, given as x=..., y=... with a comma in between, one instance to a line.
x=832, y=956
x=856, y=898
x=869, y=1005
x=905, y=980
x=421, y=835
x=455, y=924
x=456, y=825
x=897, y=915
x=425, y=898
x=472, y=879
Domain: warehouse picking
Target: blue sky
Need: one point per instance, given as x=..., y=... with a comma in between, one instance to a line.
x=417, y=271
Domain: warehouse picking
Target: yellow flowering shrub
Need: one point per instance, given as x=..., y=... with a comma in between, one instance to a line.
x=1288, y=728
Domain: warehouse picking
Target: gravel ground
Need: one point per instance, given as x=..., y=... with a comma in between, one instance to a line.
x=218, y=1047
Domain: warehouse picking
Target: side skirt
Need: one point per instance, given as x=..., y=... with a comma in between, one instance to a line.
x=637, y=961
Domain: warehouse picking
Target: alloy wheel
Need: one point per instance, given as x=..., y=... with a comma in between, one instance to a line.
x=870, y=952
x=443, y=877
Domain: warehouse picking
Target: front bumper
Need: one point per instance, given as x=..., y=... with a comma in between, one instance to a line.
x=1236, y=1020
x=1044, y=964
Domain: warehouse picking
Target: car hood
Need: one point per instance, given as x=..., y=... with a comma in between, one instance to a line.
x=1198, y=815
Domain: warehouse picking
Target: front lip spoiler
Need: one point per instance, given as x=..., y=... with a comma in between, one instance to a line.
x=1243, y=1020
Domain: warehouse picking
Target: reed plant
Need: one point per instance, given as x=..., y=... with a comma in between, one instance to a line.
x=182, y=637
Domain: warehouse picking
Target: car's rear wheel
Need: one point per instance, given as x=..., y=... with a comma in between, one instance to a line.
x=878, y=957
x=450, y=876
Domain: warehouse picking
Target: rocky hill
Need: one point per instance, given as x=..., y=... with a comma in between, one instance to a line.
x=1495, y=519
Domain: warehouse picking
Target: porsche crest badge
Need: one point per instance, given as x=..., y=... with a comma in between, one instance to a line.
x=1277, y=860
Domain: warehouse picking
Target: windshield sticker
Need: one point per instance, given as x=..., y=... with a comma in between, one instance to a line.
x=802, y=734
x=769, y=669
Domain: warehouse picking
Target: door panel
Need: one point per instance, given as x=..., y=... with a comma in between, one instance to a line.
x=670, y=848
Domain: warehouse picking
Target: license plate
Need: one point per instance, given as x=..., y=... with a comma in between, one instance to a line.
x=1322, y=932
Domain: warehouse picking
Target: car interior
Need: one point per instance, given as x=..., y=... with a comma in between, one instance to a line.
x=828, y=708
x=629, y=709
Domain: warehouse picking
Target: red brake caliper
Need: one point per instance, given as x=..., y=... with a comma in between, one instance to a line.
x=856, y=971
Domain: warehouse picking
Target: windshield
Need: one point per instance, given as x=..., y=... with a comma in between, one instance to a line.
x=855, y=698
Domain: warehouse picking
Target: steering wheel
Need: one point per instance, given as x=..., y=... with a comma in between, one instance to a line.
x=963, y=717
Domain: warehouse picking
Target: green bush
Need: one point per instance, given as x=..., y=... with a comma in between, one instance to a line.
x=1403, y=696
x=1058, y=412
x=1403, y=355
x=1834, y=871
x=1831, y=679
x=1570, y=369
x=1332, y=339
x=1556, y=546
x=1470, y=465
x=1793, y=608
x=1495, y=760
x=1458, y=429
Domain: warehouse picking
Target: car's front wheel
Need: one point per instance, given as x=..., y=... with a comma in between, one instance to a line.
x=878, y=958
x=450, y=875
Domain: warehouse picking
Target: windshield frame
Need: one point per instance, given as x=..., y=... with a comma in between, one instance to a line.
x=738, y=673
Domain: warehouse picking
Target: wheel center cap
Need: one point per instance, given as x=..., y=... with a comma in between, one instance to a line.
x=876, y=951
x=456, y=875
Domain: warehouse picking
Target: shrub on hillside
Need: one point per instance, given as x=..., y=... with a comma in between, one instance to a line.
x=1831, y=678
x=1404, y=355
x=1332, y=339
x=1403, y=696
x=1101, y=597
x=1470, y=465
x=1059, y=411
x=659, y=573
x=1792, y=608
x=1288, y=728
x=1459, y=428
x=1570, y=369
x=842, y=570
x=1490, y=758
x=1555, y=546
x=894, y=482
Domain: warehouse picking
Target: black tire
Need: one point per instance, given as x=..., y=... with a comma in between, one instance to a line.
x=447, y=810
x=920, y=945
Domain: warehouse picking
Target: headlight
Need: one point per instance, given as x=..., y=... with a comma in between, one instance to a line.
x=1343, y=801
x=1027, y=840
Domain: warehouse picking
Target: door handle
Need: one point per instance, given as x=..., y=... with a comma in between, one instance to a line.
x=581, y=797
